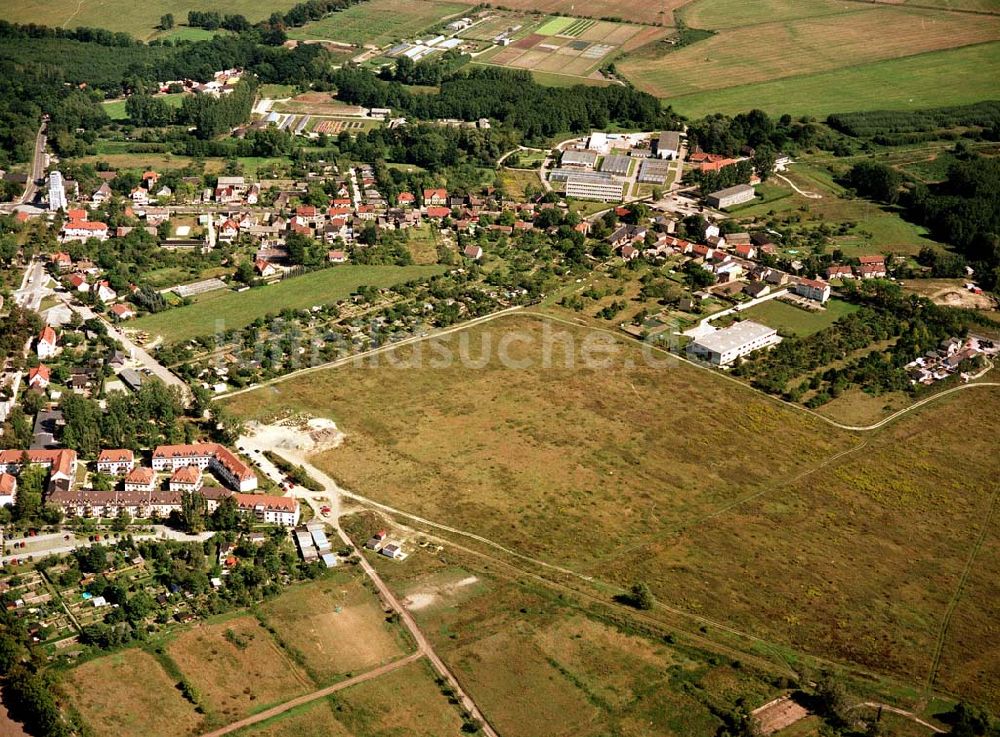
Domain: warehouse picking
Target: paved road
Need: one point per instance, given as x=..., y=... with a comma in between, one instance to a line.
x=137, y=353
x=37, y=166
x=34, y=286
x=322, y=693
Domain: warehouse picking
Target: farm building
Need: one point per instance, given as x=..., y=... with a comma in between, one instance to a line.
x=616, y=164
x=583, y=159
x=591, y=188
x=722, y=347
x=730, y=196
x=668, y=146
x=653, y=171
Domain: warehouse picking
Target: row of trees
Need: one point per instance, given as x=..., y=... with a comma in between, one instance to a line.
x=512, y=97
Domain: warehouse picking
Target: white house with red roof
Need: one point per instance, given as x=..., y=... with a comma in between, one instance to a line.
x=8, y=489
x=48, y=344
x=62, y=261
x=115, y=461
x=814, y=289
x=274, y=510
x=265, y=268
x=122, y=311
x=39, y=377
x=140, y=479
x=228, y=230
x=105, y=293
x=435, y=197
x=82, y=230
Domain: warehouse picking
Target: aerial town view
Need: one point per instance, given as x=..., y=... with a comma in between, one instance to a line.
x=418, y=368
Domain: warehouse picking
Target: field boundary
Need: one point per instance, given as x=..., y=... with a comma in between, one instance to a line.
x=959, y=590
x=315, y=695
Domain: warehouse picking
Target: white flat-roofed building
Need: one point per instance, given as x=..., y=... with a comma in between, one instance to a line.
x=722, y=347
x=585, y=188
x=730, y=196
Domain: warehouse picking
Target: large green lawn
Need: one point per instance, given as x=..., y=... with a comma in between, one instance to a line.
x=378, y=22
x=953, y=77
x=226, y=310
x=791, y=320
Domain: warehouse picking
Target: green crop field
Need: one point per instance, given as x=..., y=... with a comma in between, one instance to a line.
x=139, y=19
x=684, y=484
x=378, y=22
x=911, y=83
x=228, y=310
x=820, y=58
x=554, y=26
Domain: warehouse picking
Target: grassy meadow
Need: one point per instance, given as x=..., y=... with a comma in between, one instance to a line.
x=791, y=320
x=803, y=47
x=378, y=22
x=228, y=310
x=141, y=20
x=680, y=478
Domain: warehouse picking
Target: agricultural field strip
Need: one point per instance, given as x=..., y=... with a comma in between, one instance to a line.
x=686, y=62
x=956, y=597
x=310, y=697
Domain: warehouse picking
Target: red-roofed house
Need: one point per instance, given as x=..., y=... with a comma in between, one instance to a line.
x=813, y=289
x=115, y=461
x=265, y=268
x=48, y=344
x=473, y=252
x=216, y=458
x=8, y=489
x=865, y=260
x=406, y=198
x=437, y=212
x=435, y=197
x=76, y=215
x=871, y=271
x=336, y=257
x=78, y=282
x=122, y=311
x=839, y=272
x=275, y=510
x=188, y=478
x=39, y=377
x=82, y=230
x=140, y=479
x=228, y=231
x=62, y=261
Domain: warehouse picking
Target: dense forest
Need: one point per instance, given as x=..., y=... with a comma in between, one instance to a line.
x=511, y=97
x=961, y=210
x=874, y=123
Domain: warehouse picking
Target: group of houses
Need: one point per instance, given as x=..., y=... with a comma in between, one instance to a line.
x=158, y=490
x=949, y=358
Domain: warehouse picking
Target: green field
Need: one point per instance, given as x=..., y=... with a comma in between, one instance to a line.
x=791, y=320
x=732, y=506
x=911, y=83
x=227, y=310
x=116, y=108
x=555, y=25
x=139, y=19
x=378, y=22
x=821, y=57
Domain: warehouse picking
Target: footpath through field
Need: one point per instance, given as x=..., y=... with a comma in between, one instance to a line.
x=310, y=697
